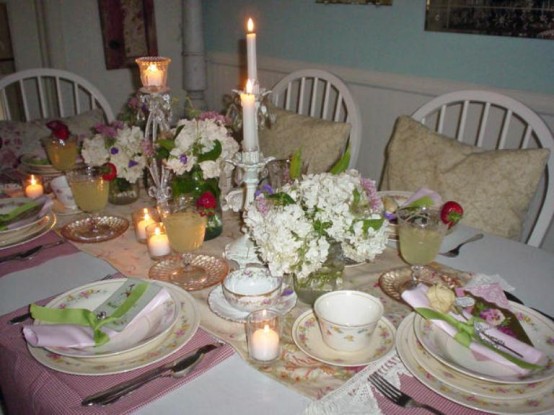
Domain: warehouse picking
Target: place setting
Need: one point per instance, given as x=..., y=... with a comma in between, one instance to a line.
x=465, y=340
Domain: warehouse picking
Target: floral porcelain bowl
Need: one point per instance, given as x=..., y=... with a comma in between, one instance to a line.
x=252, y=288
x=347, y=319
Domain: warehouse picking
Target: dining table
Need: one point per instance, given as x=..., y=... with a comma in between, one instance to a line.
x=232, y=383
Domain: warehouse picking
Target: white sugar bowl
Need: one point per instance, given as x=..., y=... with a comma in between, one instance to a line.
x=347, y=319
x=252, y=288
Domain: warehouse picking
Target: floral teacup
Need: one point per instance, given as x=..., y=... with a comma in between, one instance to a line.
x=347, y=319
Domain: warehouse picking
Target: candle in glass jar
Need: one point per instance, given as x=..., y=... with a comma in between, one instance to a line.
x=34, y=189
x=264, y=344
x=142, y=223
x=251, y=51
x=154, y=76
x=157, y=242
x=249, y=125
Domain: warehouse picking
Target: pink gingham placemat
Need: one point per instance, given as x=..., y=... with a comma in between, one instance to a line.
x=30, y=388
x=40, y=257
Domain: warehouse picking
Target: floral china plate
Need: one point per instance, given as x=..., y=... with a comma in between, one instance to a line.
x=452, y=354
x=307, y=336
x=455, y=390
x=188, y=320
x=44, y=225
x=220, y=306
x=90, y=296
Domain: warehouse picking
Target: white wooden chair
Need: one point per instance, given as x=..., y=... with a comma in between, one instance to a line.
x=494, y=121
x=48, y=93
x=320, y=94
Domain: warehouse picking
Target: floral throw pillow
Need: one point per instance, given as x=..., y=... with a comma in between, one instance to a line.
x=495, y=187
x=322, y=142
x=18, y=138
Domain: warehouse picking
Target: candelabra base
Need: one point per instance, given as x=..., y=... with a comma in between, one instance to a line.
x=242, y=251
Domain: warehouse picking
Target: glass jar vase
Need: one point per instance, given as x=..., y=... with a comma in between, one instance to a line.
x=123, y=192
x=326, y=279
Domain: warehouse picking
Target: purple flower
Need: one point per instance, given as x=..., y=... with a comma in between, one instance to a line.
x=132, y=163
x=266, y=189
x=183, y=158
x=114, y=150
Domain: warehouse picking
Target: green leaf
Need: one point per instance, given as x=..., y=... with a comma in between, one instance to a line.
x=424, y=201
x=374, y=224
x=166, y=144
x=213, y=154
x=281, y=199
x=296, y=164
x=341, y=165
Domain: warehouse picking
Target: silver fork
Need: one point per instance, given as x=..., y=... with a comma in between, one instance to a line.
x=454, y=252
x=390, y=392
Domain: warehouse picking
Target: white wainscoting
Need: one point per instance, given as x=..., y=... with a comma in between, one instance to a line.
x=382, y=97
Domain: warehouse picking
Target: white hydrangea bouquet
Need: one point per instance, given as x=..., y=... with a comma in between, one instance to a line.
x=295, y=227
x=121, y=147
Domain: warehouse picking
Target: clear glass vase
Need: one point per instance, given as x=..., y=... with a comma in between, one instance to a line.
x=328, y=278
x=123, y=192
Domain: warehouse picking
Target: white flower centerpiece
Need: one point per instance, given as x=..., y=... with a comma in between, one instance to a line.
x=297, y=228
x=195, y=152
x=122, y=149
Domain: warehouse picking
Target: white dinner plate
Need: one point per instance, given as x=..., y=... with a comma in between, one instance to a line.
x=180, y=334
x=43, y=226
x=90, y=296
x=307, y=336
x=6, y=205
x=220, y=306
x=541, y=403
x=451, y=353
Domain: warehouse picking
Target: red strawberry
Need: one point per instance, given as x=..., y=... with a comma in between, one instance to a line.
x=59, y=129
x=206, y=202
x=110, y=172
x=451, y=213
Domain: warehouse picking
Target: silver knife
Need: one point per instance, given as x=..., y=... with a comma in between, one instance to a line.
x=179, y=367
x=30, y=252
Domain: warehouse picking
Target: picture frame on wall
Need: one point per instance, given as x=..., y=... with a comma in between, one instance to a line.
x=515, y=18
x=128, y=31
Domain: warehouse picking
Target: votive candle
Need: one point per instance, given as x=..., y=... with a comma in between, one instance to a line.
x=141, y=219
x=33, y=187
x=157, y=241
x=263, y=335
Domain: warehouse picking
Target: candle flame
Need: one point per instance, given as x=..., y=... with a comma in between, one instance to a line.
x=249, y=86
x=266, y=328
x=250, y=25
x=152, y=68
x=33, y=180
x=157, y=231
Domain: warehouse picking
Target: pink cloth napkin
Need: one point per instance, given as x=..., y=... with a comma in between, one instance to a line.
x=148, y=322
x=41, y=257
x=417, y=297
x=30, y=388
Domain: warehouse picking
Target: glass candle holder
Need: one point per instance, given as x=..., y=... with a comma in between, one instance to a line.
x=153, y=72
x=141, y=219
x=33, y=186
x=157, y=241
x=263, y=333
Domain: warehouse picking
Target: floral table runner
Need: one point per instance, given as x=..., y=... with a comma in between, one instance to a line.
x=294, y=369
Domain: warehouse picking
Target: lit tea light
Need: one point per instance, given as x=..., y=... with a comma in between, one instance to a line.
x=142, y=219
x=262, y=333
x=157, y=240
x=34, y=187
x=153, y=73
x=154, y=76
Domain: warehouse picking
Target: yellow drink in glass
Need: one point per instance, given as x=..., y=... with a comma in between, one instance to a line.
x=91, y=195
x=419, y=246
x=185, y=230
x=62, y=154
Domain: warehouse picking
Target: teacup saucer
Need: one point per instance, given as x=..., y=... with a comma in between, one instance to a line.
x=307, y=337
x=220, y=306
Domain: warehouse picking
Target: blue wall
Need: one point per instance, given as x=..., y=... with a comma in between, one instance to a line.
x=382, y=39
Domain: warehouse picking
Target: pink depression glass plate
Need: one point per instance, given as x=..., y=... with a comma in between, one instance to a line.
x=76, y=230
x=215, y=270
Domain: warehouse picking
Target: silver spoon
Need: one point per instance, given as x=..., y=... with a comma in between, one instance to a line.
x=454, y=252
